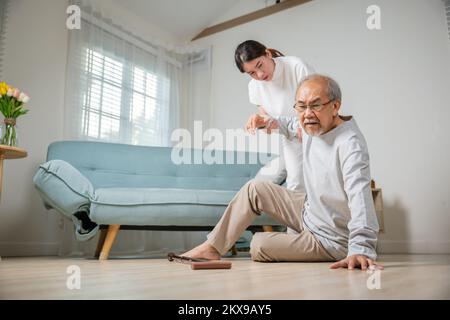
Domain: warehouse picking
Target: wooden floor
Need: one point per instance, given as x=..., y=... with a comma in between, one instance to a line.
x=405, y=277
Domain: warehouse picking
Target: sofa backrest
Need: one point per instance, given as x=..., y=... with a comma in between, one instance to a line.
x=120, y=165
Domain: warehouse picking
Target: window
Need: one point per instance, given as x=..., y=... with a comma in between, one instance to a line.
x=102, y=99
x=121, y=101
x=144, y=113
x=120, y=88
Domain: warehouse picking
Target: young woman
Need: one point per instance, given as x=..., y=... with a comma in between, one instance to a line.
x=272, y=89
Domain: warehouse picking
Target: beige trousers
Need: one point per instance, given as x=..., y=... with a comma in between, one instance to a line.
x=283, y=205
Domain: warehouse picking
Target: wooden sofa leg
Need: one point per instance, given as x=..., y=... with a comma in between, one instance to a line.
x=233, y=250
x=113, y=229
x=268, y=228
x=101, y=241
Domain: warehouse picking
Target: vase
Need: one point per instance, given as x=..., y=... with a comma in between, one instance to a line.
x=9, y=134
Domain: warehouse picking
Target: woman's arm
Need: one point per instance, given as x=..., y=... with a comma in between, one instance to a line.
x=262, y=111
x=271, y=125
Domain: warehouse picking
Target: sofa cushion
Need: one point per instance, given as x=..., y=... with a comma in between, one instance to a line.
x=111, y=165
x=64, y=187
x=162, y=207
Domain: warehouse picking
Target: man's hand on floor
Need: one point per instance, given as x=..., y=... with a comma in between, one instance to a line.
x=356, y=261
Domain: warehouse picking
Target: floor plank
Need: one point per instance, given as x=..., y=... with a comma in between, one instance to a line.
x=405, y=277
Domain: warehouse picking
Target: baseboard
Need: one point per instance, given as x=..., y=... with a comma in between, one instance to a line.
x=26, y=249
x=414, y=247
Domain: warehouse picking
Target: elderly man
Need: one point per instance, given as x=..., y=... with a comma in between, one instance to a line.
x=335, y=220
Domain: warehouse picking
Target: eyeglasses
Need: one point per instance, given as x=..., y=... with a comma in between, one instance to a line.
x=315, y=107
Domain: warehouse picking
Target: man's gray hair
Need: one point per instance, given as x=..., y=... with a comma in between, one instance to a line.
x=333, y=89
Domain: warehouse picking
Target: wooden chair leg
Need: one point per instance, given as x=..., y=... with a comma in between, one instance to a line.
x=101, y=241
x=234, y=250
x=113, y=229
x=268, y=228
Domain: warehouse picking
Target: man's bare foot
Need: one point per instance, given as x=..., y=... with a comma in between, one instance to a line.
x=203, y=251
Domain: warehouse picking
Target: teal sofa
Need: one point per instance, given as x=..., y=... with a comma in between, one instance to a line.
x=106, y=187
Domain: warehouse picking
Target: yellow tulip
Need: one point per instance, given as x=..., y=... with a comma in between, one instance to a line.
x=4, y=88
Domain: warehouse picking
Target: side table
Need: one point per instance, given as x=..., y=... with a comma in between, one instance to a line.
x=7, y=152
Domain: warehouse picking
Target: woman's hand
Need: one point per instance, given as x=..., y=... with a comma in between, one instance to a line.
x=272, y=125
x=357, y=261
x=255, y=122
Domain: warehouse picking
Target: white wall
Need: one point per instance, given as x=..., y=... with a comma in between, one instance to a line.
x=117, y=11
x=34, y=61
x=395, y=82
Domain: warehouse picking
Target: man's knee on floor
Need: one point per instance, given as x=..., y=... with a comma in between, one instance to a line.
x=257, y=247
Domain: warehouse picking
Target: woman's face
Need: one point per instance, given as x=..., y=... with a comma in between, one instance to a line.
x=260, y=68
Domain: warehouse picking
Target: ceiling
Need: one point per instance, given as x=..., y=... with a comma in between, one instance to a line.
x=184, y=19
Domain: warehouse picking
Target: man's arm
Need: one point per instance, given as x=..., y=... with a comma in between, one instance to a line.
x=363, y=224
x=288, y=126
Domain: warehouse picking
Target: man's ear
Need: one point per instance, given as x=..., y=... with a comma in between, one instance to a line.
x=336, y=107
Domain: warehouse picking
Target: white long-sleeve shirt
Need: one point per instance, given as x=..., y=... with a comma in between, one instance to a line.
x=339, y=208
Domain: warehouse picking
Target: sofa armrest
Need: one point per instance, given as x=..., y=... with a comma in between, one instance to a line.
x=63, y=186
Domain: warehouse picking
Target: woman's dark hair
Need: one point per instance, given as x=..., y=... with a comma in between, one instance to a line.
x=249, y=50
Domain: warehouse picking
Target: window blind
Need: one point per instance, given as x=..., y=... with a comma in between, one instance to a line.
x=121, y=99
x=116, y=91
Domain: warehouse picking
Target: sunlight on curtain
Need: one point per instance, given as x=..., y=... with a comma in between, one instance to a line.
x=118, y=92
x=103, y=116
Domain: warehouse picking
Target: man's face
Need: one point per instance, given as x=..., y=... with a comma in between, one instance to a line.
x=261, y=68
x=314, y=93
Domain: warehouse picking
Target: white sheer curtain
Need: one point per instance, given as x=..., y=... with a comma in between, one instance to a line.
x=118, y=91
x=121, y=88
